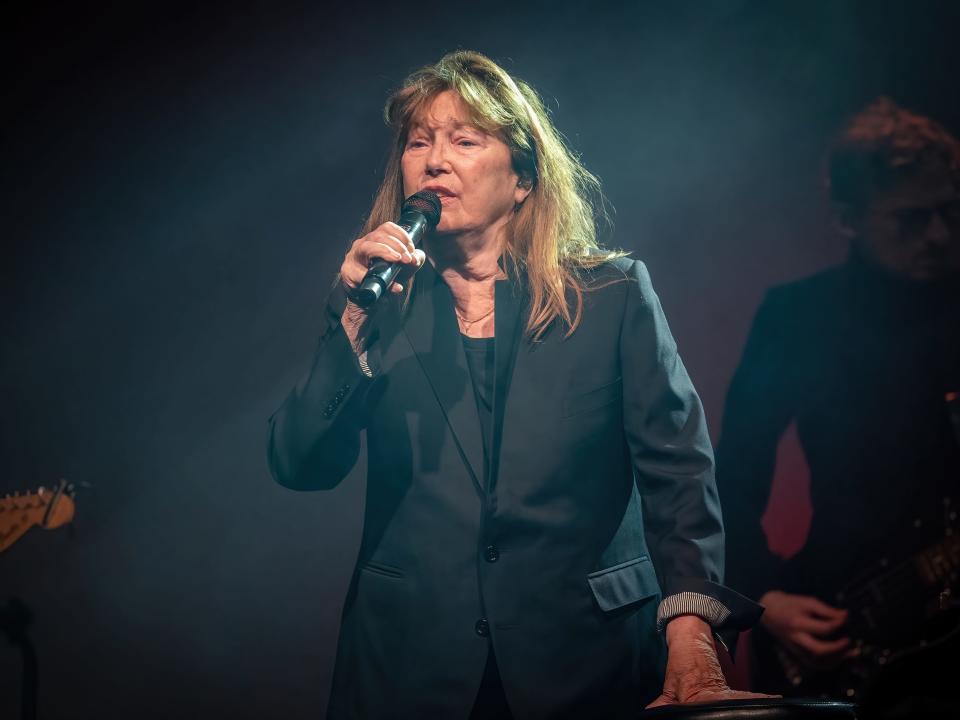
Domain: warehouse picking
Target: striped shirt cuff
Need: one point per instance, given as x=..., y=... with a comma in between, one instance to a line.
x=709, y=609
x=364, y=365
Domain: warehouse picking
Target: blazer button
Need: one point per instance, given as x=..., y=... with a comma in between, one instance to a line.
x=491, y=553
x=482, y=627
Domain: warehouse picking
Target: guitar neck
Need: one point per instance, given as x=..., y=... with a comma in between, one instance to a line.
x=46, y=508
x=13, y=533
x=914, y=583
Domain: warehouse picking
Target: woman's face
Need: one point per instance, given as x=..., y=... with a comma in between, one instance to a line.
x=470, y=170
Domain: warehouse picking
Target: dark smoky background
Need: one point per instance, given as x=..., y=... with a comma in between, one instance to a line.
x=179, y=185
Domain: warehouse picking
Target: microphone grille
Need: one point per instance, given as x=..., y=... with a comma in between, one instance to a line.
x=426, y=202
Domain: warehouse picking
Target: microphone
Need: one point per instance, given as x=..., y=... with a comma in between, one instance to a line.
x=420, y=212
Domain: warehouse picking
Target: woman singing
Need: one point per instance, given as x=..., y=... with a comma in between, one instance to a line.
x=542, y=535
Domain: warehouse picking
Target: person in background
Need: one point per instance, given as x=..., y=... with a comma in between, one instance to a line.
x=864, y=358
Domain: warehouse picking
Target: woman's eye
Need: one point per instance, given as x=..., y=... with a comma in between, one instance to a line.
x=416, y=144
x=465, y=142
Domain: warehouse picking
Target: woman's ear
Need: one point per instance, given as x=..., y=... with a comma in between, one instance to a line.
x=524, y=187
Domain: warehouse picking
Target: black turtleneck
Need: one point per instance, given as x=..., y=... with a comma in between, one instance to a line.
x=861, y=360
x=480, y=360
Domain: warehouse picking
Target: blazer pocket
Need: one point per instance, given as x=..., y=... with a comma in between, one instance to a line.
x=625, y=583
x=381, y=569
x=592, y=399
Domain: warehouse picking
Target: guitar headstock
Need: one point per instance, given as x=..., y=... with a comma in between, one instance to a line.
x=44, y=507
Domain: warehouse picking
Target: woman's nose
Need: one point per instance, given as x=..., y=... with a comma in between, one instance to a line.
x=437, y=160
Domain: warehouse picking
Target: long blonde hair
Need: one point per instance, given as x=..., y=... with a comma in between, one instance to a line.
x=552, y=236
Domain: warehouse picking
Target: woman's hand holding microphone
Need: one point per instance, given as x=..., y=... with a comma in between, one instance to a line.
x=389, y=242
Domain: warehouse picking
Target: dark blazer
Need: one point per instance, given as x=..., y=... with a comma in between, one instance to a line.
x=598, y=498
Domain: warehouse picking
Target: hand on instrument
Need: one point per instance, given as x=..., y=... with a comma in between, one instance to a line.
x=693, y=670
x=804, y=626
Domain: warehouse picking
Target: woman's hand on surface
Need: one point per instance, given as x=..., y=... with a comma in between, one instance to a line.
x=693, y=669
x=803, y=625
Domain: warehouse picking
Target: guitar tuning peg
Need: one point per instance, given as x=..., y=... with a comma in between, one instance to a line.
x=41, y=490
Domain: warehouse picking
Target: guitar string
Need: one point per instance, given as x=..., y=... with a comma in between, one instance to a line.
x=901, y=578
x=889, y=607
x=887, y=577
x=896, y=573
x=887, y=597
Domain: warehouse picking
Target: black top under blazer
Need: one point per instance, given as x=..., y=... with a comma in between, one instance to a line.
x=599, y=498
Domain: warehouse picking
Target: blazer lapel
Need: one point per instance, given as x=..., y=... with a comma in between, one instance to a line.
x=510, y=301
x=431, y=327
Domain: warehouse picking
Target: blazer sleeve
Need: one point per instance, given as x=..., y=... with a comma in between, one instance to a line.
x=672, y=457
x=314, y=437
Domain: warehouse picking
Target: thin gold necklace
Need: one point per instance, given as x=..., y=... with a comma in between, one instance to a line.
x=475, y=320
